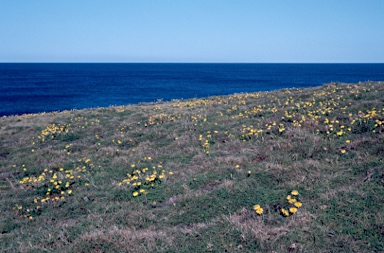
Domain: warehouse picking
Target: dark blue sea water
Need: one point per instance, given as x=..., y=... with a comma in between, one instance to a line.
x=32, y=88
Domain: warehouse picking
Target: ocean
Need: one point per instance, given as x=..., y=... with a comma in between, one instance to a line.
x=47, y=87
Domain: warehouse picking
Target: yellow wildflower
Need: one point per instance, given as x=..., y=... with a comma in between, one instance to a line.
x=284, y=212
x=298, y=204
x=134, y=194
x=259, y=211
x=295, y=193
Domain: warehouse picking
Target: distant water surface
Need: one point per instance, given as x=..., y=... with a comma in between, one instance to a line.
x=36, y=87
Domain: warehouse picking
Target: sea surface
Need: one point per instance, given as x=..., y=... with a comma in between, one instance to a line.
x=47, y=87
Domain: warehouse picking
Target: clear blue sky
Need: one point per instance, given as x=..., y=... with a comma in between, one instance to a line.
x=192, y=31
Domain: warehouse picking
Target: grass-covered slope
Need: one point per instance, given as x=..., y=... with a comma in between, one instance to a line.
x=187, y=176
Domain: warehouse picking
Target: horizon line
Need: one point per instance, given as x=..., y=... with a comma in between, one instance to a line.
x=117, y=62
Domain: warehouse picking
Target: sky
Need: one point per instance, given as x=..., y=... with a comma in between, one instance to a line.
x=209, y=31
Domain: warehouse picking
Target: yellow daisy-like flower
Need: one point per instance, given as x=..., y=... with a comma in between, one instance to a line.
x=134, y=194
x=292, y=201
x=298, y=204
x=255, y=207
x=295, y=193
x=259, y=211
x=343, y=151
x=293, y=210
x=284, y=212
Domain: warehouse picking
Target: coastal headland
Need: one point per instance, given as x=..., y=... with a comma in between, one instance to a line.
x=293, y=170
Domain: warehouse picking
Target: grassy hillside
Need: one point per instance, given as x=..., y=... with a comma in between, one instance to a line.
x=297, y=170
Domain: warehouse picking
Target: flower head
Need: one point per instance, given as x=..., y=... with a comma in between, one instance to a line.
x=298, y=204
x=259, y=211
x=284, y=212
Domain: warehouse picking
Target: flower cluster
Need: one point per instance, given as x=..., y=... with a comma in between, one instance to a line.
x=294, y=204
x=259, y=210
x=26, y=212
x=53, y=185
x=140, y=180
x=52, y=131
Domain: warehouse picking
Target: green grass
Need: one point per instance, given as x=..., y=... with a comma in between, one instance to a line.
x=184, y=176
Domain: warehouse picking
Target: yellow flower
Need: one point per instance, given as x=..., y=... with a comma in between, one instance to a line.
x=69, y=191
x=134, y=194
x=295, y=193
x=347, y=141
x=343, y=151
x=255, y=207
x=259, y=211
x=293, y=210
x=298, y=204
x=292, y=201
x=284, y=212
